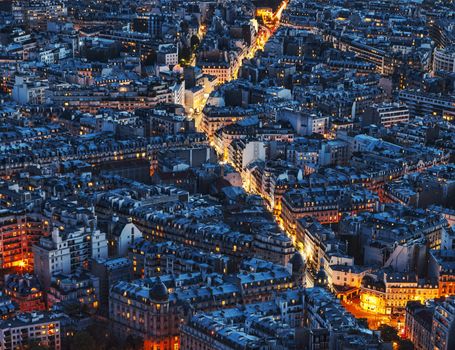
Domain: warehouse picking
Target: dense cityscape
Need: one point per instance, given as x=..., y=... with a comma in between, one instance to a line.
x=227, y=174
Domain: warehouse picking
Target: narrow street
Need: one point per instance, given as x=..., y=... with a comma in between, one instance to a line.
x=374, y=320
x=264, y=34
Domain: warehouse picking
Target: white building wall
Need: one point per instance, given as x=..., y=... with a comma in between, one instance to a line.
x=253, y=151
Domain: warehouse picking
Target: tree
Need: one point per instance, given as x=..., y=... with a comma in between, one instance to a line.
x=36, y=346
x=106, y=339
x=83, y=340
x=405, y=344
x=102, y=335
x=133, y=343
x=194, y=42
x=185, y=54
x=388, y=333
x=72, y=308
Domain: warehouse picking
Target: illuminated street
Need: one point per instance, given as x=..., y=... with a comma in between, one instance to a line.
x=374, y=320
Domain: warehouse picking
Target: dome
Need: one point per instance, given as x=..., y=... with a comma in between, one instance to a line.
x=321, y=279
x=159, y=292
x=297, y=262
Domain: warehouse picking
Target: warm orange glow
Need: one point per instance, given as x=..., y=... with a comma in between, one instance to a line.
x=171, y=342
x=372, y=303
x=19, y=263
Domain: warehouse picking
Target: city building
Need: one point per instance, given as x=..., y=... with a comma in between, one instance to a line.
x=325, y=204
x=168, y=54
x=423, y=104
x=108, y=272
x=386, y=115
x=43, y=328
x=235, y=174
x=8, y=308
x=444, y=59
x=65, y=251
x=121, y=234
x=389, y=294
x=305, y=123
x=80, y=288
x=162, y=301
x=443, y=324
x=17, y=233
x=419, y=324
x=25, y=291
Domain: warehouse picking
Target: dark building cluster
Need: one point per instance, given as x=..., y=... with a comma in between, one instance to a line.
x=227, y=175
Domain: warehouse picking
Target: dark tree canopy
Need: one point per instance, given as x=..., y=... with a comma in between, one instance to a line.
x=388, y=333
